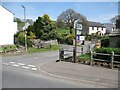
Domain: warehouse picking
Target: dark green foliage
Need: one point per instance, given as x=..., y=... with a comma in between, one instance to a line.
x=105, y=42
x=20, y=40
x=8, y=48
x=44, y=28
x=93, y=36
x=69, y=39
x=107, y=51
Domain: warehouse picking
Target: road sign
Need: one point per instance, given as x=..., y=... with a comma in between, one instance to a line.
x=81, y=38
x=79, y=26
x=78, y=37
x=78, y=32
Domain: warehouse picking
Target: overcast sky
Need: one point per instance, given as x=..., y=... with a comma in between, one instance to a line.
x=94, y=11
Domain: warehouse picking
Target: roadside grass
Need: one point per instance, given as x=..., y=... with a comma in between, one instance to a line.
x=7, y=48
x=53, y=47
x=84, y=57
x=1, y=50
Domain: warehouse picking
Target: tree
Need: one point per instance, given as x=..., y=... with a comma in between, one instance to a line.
x=69, y=16
x=20, y=39
x=113, y=20
x=44, y=28
x=20, y=24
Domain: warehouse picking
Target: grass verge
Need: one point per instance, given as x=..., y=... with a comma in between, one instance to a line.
x=53, y=47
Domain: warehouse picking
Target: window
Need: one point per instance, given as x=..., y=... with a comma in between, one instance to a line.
x=92, y=28
x=97, y=28
x=102, y=28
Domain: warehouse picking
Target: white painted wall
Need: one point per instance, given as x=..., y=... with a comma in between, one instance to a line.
x=94, y=30
x=7, y=27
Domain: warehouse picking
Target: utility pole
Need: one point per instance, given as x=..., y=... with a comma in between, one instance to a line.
x=77, y=26
x=25, y=27
x=75, y=49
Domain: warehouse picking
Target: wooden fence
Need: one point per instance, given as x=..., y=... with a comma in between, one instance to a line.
x=111, y=61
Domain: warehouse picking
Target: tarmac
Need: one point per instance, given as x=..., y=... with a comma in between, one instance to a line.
x=80, y=72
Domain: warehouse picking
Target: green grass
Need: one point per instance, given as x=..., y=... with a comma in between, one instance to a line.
x=1, y=49
x=8, y=48
x=53, y=47
x=84, y=57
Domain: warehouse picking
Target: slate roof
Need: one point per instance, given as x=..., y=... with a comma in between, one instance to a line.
x=95, y=24
x=109, y=25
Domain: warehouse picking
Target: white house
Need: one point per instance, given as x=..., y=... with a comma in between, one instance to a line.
x=110, y=28
x=7, y=27
x=96, y=28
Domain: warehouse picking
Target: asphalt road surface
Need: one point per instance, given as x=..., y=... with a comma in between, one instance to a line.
x=21, y=72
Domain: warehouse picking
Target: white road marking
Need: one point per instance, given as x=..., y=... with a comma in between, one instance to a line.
x=21, y=64
x=34, y=68
x=12, y=62
x=6, y=64
x=3, y=62
x=15, y=65
x=36, y=58
x=25, y=67
x=30, y=65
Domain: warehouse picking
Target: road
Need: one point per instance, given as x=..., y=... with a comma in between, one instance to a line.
x=22, y=72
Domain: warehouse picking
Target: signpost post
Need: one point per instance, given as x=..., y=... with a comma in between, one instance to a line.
x=77, y=26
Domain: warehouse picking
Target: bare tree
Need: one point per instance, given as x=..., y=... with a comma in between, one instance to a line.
x=69, y=16
x=113, y=20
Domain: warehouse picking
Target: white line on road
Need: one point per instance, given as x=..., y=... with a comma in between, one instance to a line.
x=34, y=68
x=36, y=58
x=21, y=64
x=30, y=65
x=25, y=67
x=6, y=64
x=15, y=65
x=12, y=62
x=3, y=62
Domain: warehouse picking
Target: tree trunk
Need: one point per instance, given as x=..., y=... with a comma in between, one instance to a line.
x=70, y=30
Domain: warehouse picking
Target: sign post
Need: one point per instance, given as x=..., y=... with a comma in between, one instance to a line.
x=77, y=26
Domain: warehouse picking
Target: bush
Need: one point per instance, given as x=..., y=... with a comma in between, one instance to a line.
x=107, y=51
x=9, y=48
x=84, y=57
x=105, y=42
x=20, y=40
x=69, y=39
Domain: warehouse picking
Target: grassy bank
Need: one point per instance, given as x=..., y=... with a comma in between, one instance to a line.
x=53, y=47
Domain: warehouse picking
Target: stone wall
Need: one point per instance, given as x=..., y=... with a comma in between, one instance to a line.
x=115, y=41
x=37, y=43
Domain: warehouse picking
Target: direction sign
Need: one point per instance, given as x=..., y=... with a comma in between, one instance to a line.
x=78, y=32
x=78, y=37
x=81, y=38
x=79, y=26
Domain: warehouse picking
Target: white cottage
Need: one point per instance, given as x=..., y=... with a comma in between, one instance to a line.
x=7, y=27
x=96, y=28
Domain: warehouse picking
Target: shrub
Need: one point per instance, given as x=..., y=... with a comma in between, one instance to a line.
x=84, y=57
x=107, y=51
x=20, y=40
x=9, y=48
x=69, y=39
x=105, y=42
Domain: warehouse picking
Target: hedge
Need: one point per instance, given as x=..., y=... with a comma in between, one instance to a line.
x=107, y=51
